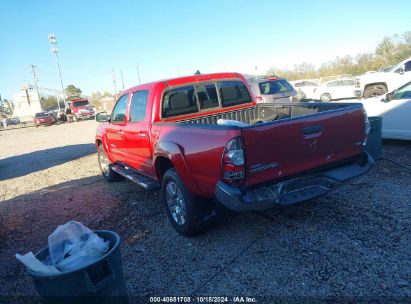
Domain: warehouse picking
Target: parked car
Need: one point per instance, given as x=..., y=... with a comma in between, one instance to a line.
x=44, y=118
x=10, y=121
x=271, y=89
x=334, y=89
x=395, y=109
x=304, y=88
x=178, y=134
x=378, y=83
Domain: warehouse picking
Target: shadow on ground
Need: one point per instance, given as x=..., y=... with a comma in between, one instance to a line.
x=24, y=164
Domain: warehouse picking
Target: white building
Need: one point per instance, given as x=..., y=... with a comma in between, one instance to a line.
x=26, y=104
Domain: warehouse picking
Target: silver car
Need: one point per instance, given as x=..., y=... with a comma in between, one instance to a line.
x=268, y=89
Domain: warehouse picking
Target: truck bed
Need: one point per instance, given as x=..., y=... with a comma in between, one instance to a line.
x=267, y=112
x=282, y=140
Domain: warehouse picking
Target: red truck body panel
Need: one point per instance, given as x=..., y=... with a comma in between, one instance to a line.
x=284, y=150
x=272, y=150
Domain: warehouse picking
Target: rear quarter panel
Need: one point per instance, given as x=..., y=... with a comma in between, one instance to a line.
x=201, y=150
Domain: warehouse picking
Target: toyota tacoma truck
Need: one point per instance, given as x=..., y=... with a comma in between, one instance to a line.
x=378, y=83
x=207, y=144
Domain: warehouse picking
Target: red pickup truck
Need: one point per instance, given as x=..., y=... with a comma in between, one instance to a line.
x=205, y=141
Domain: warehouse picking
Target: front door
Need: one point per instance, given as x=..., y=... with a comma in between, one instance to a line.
x=115, y=129
x=136, y=136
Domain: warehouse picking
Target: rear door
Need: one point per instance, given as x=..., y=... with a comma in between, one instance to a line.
x=348, y=88
x=280, y=149
x=137, y=146
x=115, y=129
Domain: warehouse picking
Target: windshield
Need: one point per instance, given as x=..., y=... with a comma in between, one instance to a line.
x=80, y=103
x=275, y=87
x=387, y=69
x=42, y=115
x=403, y=92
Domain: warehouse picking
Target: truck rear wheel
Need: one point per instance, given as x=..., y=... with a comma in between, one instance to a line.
x=375, y=90
x=185, y=211
x=105, y=166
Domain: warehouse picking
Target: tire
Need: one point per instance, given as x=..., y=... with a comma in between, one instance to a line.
x=188, y=214
x=105, y=166
x=375, y=90
x=326, y=97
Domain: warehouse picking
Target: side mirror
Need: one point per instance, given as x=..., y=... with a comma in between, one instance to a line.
x=102, y=117
x=400, y=70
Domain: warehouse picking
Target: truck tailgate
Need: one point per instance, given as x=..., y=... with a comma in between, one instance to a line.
x=287, y=147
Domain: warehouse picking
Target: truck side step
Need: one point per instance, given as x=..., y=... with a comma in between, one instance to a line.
x=134, y=176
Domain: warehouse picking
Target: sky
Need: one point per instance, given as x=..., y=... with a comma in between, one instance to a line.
x=174, y=38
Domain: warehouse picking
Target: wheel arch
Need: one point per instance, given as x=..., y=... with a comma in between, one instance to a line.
x=169, y=155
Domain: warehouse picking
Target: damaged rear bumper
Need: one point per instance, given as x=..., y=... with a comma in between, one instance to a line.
x=290, y=191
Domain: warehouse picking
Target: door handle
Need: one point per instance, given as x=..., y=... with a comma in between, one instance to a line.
x=121, y=132
x=142, y=134
x=312, y=129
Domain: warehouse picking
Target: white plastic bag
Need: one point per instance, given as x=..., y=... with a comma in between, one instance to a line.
x=66, y=240
x=30, y=261
x=91, y=250
x=229, y=122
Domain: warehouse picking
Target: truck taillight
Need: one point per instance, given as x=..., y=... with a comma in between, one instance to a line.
x=367, y=127
x=232, y=163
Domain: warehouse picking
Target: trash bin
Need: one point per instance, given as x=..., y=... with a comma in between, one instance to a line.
x=100, y=282
x=374, y=142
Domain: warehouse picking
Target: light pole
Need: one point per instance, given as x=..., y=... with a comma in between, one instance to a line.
x=54, y=50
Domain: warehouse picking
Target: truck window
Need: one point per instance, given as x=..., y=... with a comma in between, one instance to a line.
x=82, y=103
x=179, y=101
x=207, y=96
x=233, y=93
x=407, y=66
x=119, y=111
x=138, y=106
x=347, y=82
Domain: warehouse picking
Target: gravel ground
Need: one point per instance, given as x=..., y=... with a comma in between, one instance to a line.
x=352, y=244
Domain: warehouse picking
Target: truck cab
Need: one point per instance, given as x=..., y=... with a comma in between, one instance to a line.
x=81, y=109
x=374, y=84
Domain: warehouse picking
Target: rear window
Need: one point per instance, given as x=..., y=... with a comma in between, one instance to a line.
x=179, y=101
x=275, y=87
x=233, y=93
x=207, y=96
x=41, y=115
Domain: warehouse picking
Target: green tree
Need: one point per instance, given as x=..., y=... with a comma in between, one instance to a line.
x=49, y=103
x=72, y=90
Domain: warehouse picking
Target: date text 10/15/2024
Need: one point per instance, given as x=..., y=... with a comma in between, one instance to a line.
x=205, y=299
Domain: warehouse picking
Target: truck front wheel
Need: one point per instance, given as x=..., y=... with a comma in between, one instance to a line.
x=375, y=90
x=105, y=166
x=183, y=209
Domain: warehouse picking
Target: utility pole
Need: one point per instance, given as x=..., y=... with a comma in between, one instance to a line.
x=138, y=74
x=122, y=80
x=54, y=50
x=115, y=86
x=33, y=67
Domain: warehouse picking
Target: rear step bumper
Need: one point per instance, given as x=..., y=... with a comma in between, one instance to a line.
x=290, y=191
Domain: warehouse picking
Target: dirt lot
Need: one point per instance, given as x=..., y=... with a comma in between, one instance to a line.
x=351, y=244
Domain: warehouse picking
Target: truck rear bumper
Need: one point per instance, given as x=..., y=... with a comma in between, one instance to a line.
x=290, y=191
